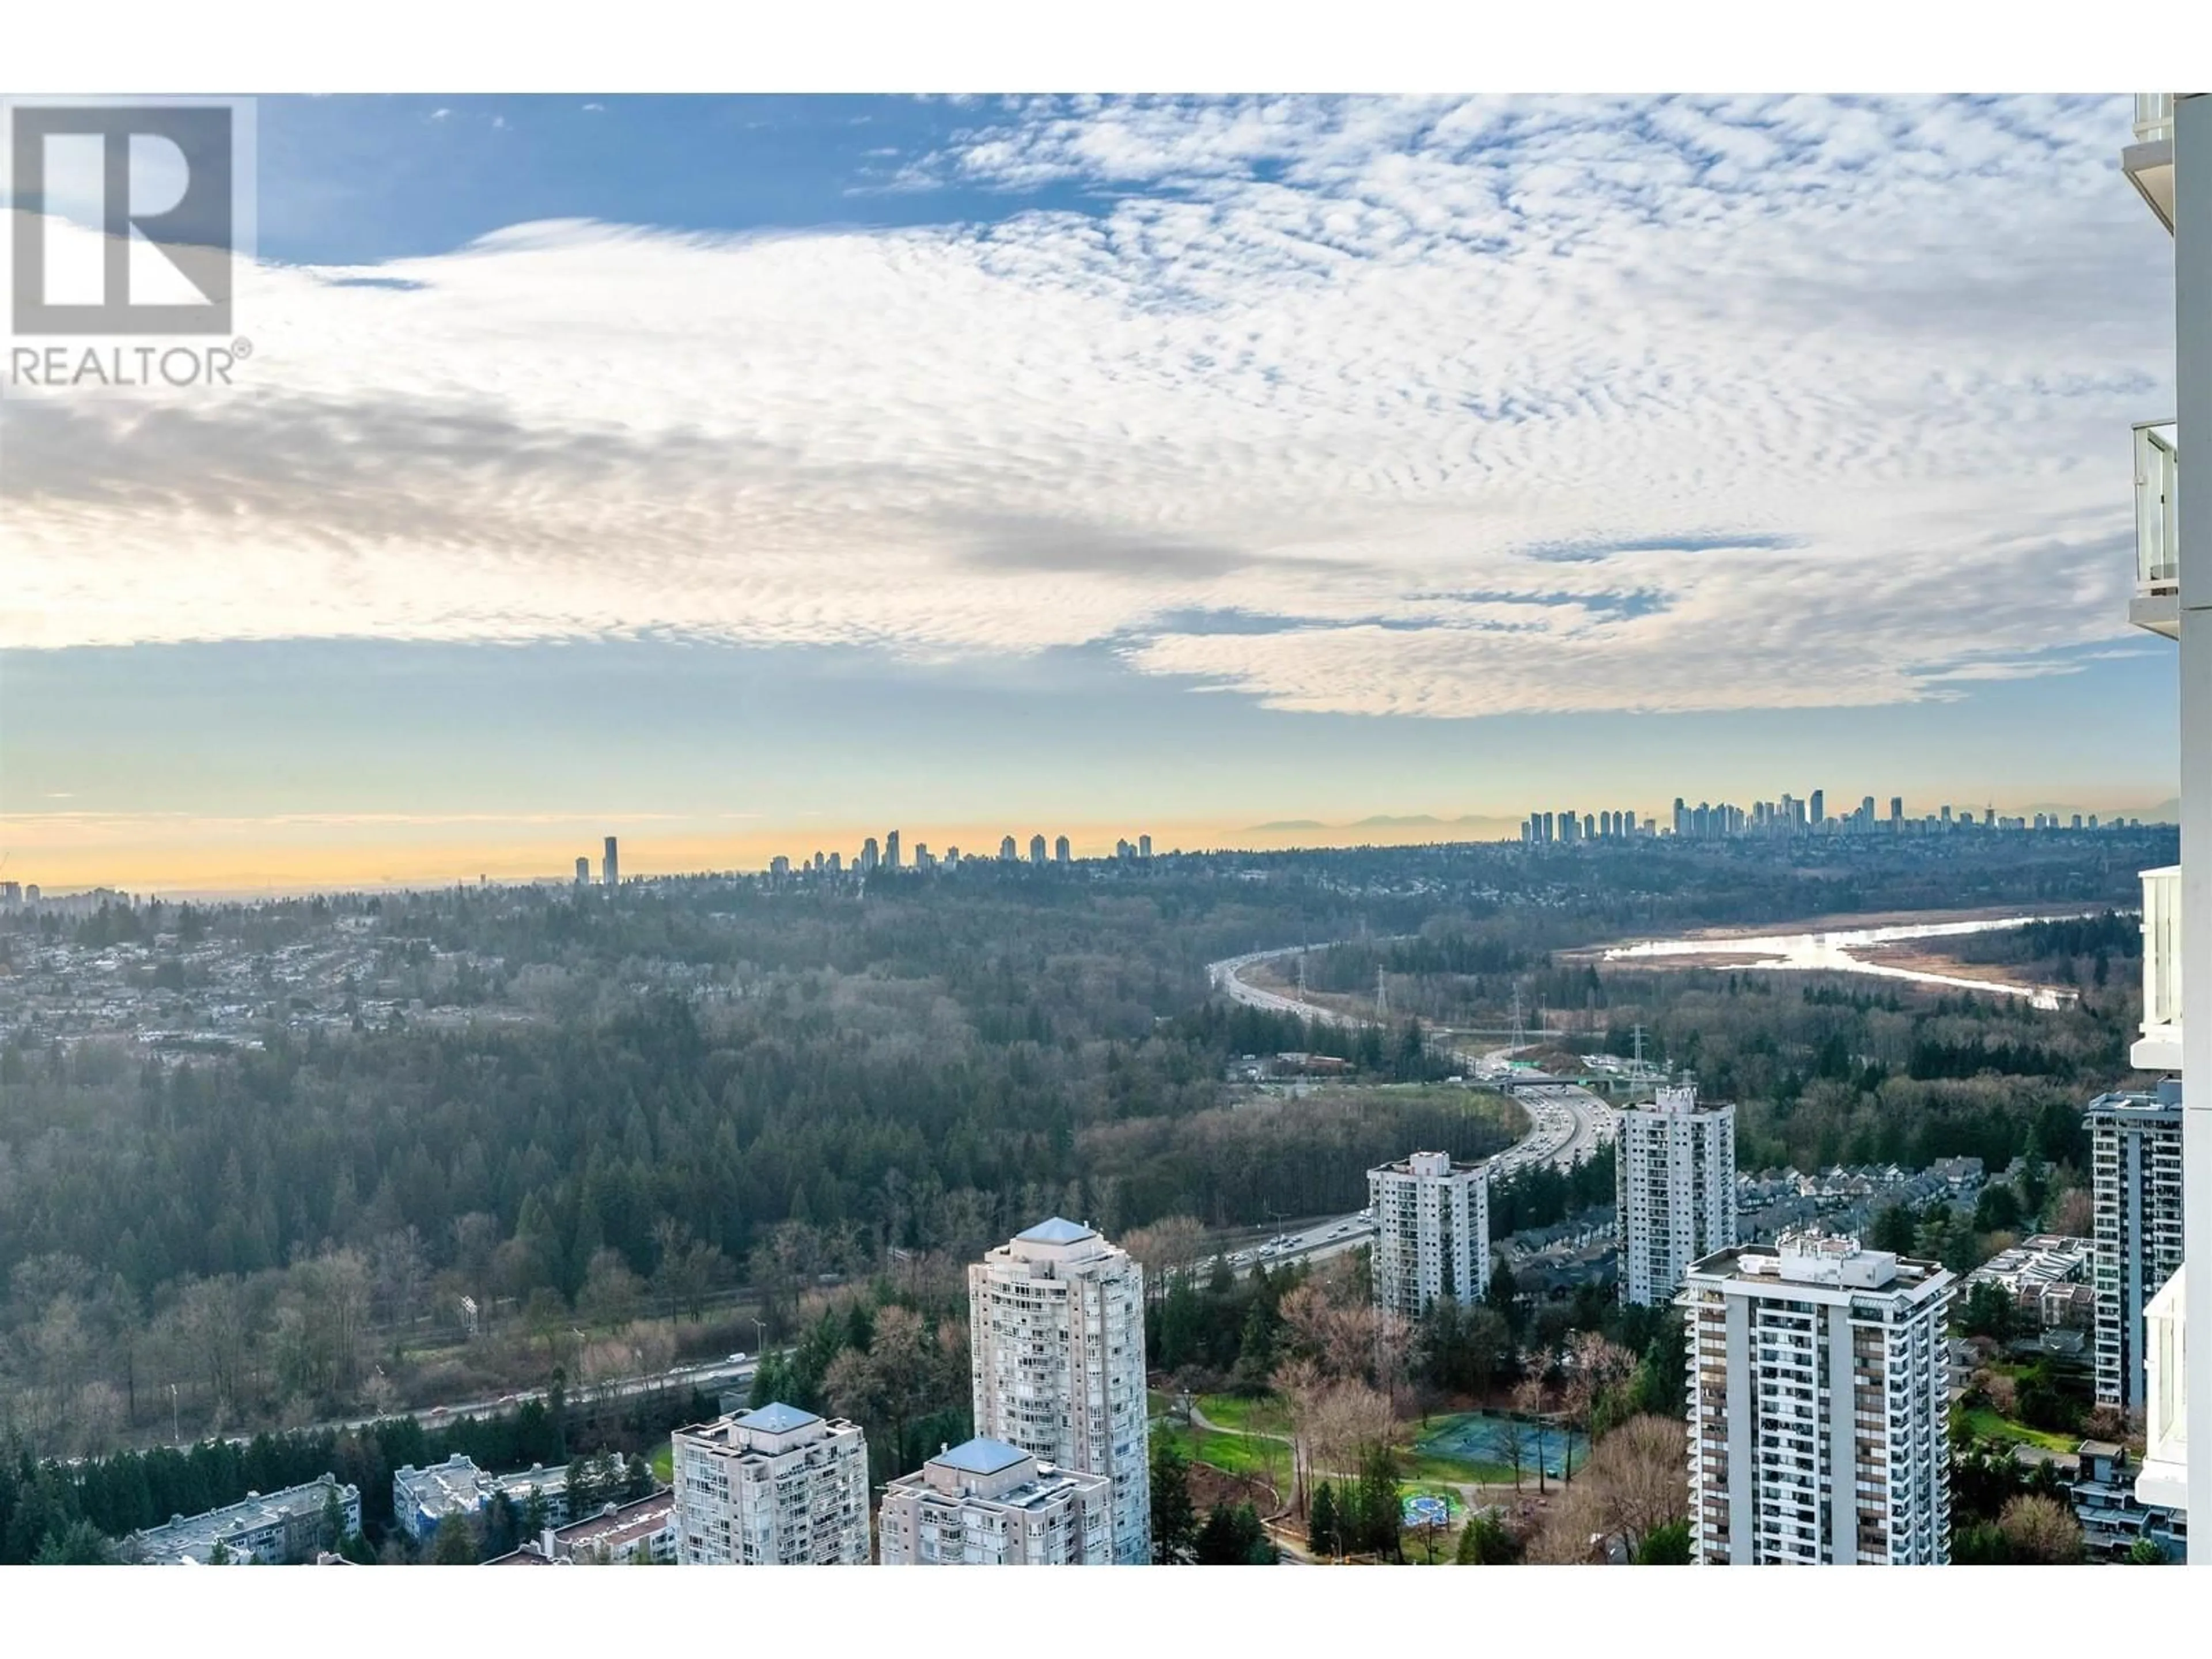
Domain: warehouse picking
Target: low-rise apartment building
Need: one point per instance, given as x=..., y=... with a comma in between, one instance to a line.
x=422, y=1498
x=620, y=1534
x=2114, y=1520
x=291, y=1525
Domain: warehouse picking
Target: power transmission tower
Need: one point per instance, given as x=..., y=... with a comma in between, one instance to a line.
x=1381, y=994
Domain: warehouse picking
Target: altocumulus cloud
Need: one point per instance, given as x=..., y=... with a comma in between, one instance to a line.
x=1485, y=405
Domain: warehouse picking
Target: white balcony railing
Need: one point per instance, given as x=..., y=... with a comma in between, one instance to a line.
x=2158, y=470
x=2157, y=603
x=2149, y=162
x=2159, y=1050
x=2164, y=1477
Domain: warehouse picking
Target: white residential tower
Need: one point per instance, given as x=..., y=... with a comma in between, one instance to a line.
x=1056, y=1329
x=1675, y=1190
x=1431, y=1232
x=1819, y=1391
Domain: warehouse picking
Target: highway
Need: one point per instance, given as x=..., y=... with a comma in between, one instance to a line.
x=1566, y=1122
x=706, y=1375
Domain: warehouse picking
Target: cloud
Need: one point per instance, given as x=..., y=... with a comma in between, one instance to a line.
x=1442, y=408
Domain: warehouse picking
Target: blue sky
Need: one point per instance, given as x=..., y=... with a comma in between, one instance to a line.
x=789, y=465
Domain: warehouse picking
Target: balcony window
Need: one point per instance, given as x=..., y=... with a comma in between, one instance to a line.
x=2163, y=1478
x=2158, y=466
x=2159, y=1050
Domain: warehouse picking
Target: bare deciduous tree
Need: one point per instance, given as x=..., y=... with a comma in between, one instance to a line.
x=1169, y=1246
x=2040, y=1529
x=1640, y=1479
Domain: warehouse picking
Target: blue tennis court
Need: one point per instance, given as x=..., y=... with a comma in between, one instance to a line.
x=1482, y=1437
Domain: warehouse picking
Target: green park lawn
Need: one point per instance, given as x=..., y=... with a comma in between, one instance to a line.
x=1233, y=1454
x=1264, y=1415
x=1235, y=1417
x=1986, y=1422
x=664, y=1463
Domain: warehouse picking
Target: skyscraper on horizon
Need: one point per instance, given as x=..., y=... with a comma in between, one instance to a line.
x=1060, y=850
x=1036, y=851
x=891, y=850
x=610, y=866
x=583, y=870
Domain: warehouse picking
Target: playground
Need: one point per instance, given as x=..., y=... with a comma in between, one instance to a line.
x=1485, y=1440
x=1428, y=1510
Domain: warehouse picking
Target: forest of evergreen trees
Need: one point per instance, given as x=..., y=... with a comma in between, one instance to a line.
x=698, y=1086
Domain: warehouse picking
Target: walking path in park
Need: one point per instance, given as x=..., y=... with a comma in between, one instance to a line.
x=1470, y=1495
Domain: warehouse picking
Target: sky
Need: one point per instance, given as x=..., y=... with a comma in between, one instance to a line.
x=748, y=476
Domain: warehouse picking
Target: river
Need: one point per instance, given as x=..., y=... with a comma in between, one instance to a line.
x=1832, y=951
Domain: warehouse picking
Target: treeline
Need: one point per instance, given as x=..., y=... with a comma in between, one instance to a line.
x=896, y=1364
x=1397, y=1052
x=1542, y=1195
x=924, y=1070
x=1291, y=1156
x=1826, y=1072
x=2066, y=950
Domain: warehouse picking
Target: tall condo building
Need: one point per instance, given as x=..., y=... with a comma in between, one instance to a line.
x=990, y=1504
x=2170, y=165
x=1431, y=1232
x=1037, y=850
x=610, y=866
x=869, y=857
x=1673, y=1188
x=1056, y=1333
x=1819, y=1390
x=2134, y=1161
x=1060, y=850
x=891, y=850
x=772, y=1487
x=583, y=872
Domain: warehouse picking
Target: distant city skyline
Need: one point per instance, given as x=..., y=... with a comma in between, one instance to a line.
x=393, y=851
